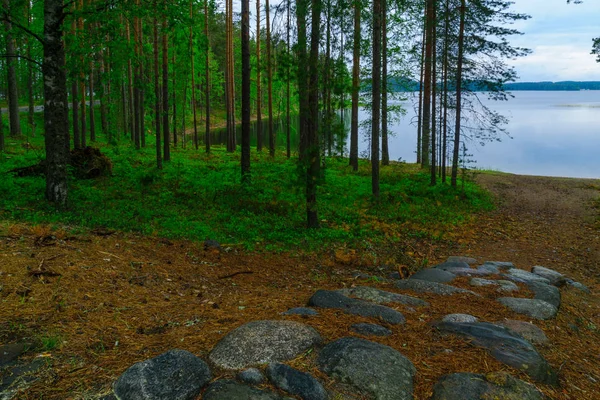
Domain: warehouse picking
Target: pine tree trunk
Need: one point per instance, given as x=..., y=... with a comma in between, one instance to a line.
x=270, y=81
x=92, y=101
x=174, y=104
x=165, y=90
x=142, y=84
x=259, y=128
x=385, y=154
x=245, y=161
x=376, y=97
x=82, y=109
x=1, y=131
x=157, y=93
x=31, y=111
x=288, y=92
x=459, y=67
x=433, y=104
x=355, y=87
x=136, y=82
x=420, y=112
x=446, y=68
x=13, y=94
x=103, y=95
x=426, y=128
x=56, y=118
x=192, y=52
x=327, y=81
x=207, y=81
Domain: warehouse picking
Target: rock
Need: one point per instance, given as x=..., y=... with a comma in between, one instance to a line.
x=500, y=264
x=478, y=282
x=419, y=286
x=534, y=308
x=507, y=286
x=519, y=275
x=499, y=385
x=19, y=377
x=252, y=376
x=261, y=342
x=505, y=346
x=433, y=275
x=489, y=269
x=10, y=352
x=527, y=330
x=369, y=367
x=304, y=311
x=578, y=285
x=225, y=389
x=468, y=260
x=176, y=374
x=450, y=265
x=212, y=244
x=555, y=278
x=548, y=293
x=469, y=272
x=296, y=382
x=459, y=318
x=332, y=299
x=370, y=330
x=380, y=296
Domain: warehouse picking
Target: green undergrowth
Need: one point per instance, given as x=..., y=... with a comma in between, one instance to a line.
x=198, y=196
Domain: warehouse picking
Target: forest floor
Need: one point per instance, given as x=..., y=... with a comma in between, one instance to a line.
x=96, y=302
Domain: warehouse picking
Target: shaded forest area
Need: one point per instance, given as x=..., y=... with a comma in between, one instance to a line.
x=160, y=77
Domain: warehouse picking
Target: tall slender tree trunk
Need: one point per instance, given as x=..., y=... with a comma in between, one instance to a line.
x=136, y=81
x=385, y=153
x=446, y=68
x=288, y=92
x=92, y=100
x=13, y=94
x=1, y=131
x=433, y=104
x=142, y=85
x=312, y=151
x=131, y=126
x=56, y=117
x=245, y=161
x=420, y=112
x=174, y=102
x=207, y=79
x=192, y=52
x=165, y=90
x=459, y=68
x=75, y=99
x=426, y=128
x=157, y=108
x=304, y=111
x=270, y=80
x=259, y=128
x=103, y=96
x=376, y=97
x=31, y=111
x=327, y=82
x=355, y=87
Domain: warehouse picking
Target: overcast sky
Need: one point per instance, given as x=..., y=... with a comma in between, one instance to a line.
x=560, y=36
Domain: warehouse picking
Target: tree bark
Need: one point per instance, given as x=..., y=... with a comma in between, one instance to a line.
x=459, y=67
x=355, y=88
x=92, y=101
x=426, y=126
x=165, y=90
x=207, y=81
x=420, y=112
x=376, y=97
x=385, y=154
x=288, y=92
x=259, y=128
x=433, y=103
x=245, y=161
x=192, y=52
x=157, y=112
x=56, y=119
x=269, y=81
x=13, y=94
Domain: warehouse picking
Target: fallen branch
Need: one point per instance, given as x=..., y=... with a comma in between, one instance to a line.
x=235, y=273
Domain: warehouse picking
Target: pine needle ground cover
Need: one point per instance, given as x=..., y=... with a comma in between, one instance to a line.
x=198, y=196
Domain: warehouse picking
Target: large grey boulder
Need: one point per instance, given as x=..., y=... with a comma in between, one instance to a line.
x=548, y=293
x=527, y=330
x=505, y=346
x=174, y=375
x=534, y=308
x=459, y=318
x=333, y=299
x=467, y=260
x=451, y=264
x=381, y=296
x=466, y=386
x=433, y=275
x=420, y=286
x=296, y=382
x=261, y=342
x=519, y=275
x=370, y=368
x=503, y=285
x=555, y=277
x=252, y=376
x=505, y=265
x=225, y=389
x=370, y=329
x=303, y=311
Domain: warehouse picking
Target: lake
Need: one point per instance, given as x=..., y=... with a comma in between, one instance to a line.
x=553, y=134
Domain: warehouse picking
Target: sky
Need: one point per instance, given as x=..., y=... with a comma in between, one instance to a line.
x=560, y=36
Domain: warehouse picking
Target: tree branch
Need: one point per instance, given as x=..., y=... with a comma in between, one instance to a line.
x=31, y=60
x=6, y=17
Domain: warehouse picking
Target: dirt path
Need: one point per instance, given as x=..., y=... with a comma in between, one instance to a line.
x=98, y=302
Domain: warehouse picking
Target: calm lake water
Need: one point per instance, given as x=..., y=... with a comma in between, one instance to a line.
x=553, y=134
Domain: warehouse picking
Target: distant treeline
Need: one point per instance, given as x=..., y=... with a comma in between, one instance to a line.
x=405, y=85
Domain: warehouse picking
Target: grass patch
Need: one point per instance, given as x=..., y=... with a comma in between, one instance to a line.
x=198, y=196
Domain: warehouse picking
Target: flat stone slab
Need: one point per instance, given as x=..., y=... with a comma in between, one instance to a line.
x=503, y=286
x=548, y=293
x=381, y=296
x=500, y=264
x=261, y=342
x=450, y=265
x=296, y=382
x=225, y=389
x=252, y=376
x=19, y=377
x=534, y=308
x=370, y=329
x=10, y=352
x=499, y=385
x=371, y=368
x=334, y=299
x=304, y=311
x=468, y=260
x=529, y=331
x=519, y=275
x=555, y=277
x=506, y=347
x=507, y=286
x=469, y=272
x=419, y=286
x=433, y=275
x=578, y=285
x=176, y=374
x=459, y=318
